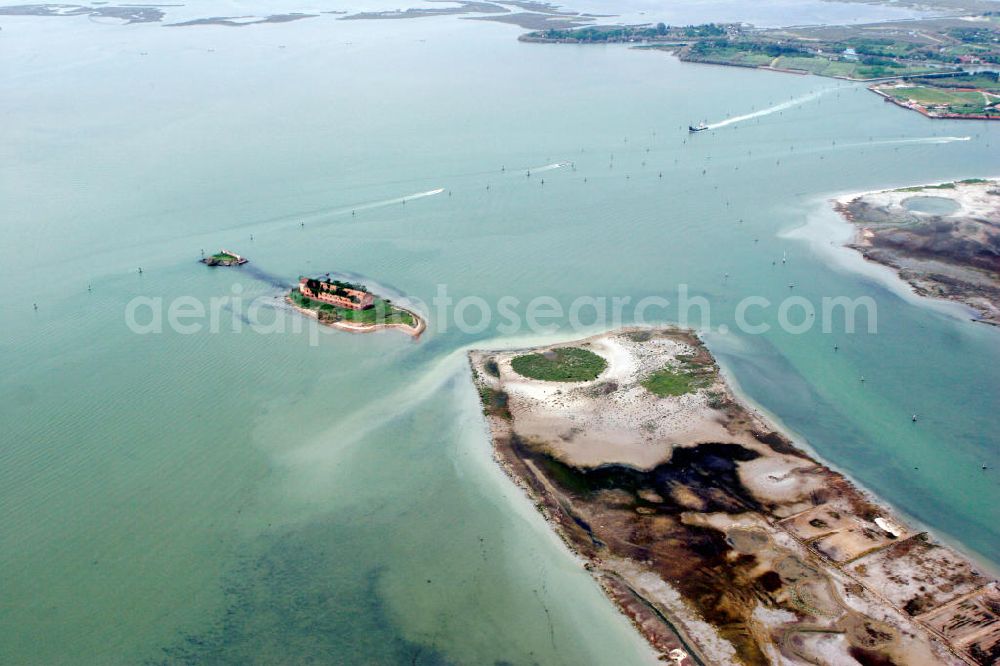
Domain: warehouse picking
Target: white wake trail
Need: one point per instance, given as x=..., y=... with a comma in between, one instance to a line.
x=549, y=167
x=916, y=141
x=397, y=200
x=925, y=140
x=323, y=213
x=773, y=109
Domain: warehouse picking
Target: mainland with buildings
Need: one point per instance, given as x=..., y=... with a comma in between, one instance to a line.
x=941, y=67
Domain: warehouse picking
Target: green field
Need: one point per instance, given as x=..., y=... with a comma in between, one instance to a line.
x=982, y=80
x=819, y=65
x=687, y=377
x=382, y=312
x=733, y=56
x=853, y=70
x=941, y=186
x=565, y=364
x=972, y=103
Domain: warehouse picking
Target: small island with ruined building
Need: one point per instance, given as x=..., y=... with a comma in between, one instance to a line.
x=351, y=307
x=713, y=532
x=224, y=258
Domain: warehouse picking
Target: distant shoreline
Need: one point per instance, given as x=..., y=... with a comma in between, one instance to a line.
x=935, y=68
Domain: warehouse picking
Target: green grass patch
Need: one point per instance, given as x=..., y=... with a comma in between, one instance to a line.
x=928, y=95
x=670, y=382
x=733, y=56
x=921, y=188
x=989, y=81
x=968, y=103
x=788, y=56
x=853, y=70
x=895, y=69
x=565, y=364
x=686, y=377
x=942, y=186
x=808, y=63
x=840, y=68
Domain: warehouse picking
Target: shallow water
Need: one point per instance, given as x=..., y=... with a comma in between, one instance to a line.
x=218, y=496
x=931, y=205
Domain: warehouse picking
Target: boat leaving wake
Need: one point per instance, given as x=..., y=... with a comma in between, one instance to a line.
x=548, y=167
x=768, y=111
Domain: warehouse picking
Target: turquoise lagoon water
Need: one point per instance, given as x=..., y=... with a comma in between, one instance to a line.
x=236, y=497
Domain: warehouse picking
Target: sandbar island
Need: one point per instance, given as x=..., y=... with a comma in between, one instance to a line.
x=944, y=239
x=722, y=541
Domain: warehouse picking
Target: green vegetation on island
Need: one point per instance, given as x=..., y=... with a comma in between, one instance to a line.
x=224, y=258
x=942, y=186
x=686, y=377
x=565, y=364
x=382, y=311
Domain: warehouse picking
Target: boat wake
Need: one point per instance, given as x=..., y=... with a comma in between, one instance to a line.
x=916, y=141
x=768, y=111
x=319, y=458
x=549, y=167
x=324, y=213
x=392, y=202
x=920, y=140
